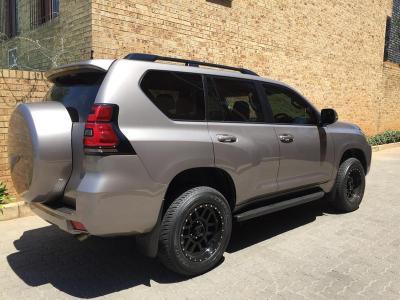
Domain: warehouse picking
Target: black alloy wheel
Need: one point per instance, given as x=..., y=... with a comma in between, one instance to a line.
x=195, y=231
x=201, y=233
x=349, y=187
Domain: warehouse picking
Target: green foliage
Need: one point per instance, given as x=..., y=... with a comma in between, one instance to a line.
x=387, y=137
x=4, y=196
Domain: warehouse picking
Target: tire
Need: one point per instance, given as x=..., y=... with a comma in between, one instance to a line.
x=189, y=243
x=349, y=187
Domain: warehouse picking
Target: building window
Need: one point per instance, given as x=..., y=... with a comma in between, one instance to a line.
x=11, y=28
x=12, y=58
x=392, y=41
x=387, y=38
x=42, y=11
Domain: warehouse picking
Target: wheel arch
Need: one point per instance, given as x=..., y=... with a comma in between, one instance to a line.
x=202, y=176
x=355, y=153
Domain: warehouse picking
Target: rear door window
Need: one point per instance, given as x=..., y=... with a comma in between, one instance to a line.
x=233, y=100
x=178, y=95
x=77, y=92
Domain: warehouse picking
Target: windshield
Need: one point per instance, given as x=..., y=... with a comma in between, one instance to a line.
x=77, y=93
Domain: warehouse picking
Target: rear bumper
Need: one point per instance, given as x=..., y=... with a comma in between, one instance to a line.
x=60, y=217
x=103, y=217
x=115, y=196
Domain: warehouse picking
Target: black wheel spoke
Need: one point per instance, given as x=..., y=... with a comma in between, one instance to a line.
x=192, y=246
x=203, y=213
x=353, y=185
x=211, y=215
x=201, y=232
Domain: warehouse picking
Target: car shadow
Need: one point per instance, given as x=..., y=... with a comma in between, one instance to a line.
x=254, y=231
x=88, y=269
x=100, y=266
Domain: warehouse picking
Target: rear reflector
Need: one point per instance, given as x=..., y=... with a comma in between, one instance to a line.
x=78, y=226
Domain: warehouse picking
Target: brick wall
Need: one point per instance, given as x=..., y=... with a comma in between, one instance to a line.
x=16, y=87
x=332, y=51
x=389, y=108
x=65, y=39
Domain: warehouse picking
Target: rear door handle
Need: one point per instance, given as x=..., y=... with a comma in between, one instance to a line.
x=226, y=138
x=286, y=138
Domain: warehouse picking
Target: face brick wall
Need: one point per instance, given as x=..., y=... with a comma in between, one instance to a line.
x=16, y=87
x=64, y=39
x=389, y=108
x=332, y=51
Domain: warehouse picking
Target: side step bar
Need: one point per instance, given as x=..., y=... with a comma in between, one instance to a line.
x=257, y=212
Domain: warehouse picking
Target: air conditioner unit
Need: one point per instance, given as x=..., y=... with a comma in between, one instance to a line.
x=12, y=58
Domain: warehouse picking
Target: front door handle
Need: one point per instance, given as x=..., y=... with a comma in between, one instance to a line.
x=226, y=138
x=286, y=138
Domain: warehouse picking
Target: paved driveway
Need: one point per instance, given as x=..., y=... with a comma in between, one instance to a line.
x=305, y=252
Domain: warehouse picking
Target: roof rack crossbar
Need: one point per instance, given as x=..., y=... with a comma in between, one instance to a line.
x=190, y=63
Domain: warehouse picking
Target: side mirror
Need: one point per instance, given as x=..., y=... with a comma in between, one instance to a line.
x=328, y=116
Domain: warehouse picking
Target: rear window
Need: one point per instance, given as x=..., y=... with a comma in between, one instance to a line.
x=77, y=92
x=178, y=95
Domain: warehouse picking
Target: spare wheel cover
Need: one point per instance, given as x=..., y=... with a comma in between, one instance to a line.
x=39, y=150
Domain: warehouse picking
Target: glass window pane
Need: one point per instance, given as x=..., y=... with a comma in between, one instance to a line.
x=287, y=107
x=234, y=100
x=77, y=92
x=178, y=95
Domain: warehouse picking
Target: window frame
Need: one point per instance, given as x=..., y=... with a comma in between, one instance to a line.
x=42, y=12
x=259, y=95
x=180, y=72
x=301, y=99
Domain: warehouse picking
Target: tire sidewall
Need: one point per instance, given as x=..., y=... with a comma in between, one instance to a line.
x=204, y=196
x=346, y=168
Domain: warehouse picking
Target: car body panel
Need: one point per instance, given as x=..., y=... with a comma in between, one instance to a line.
x=166, y=147
x=308, y=160
x=252, y=161
x=124, y=194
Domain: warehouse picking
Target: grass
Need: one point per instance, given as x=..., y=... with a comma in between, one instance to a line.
x=4, y=196
x=387, y=137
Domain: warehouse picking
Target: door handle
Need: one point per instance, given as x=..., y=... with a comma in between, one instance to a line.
x=286, y=138
x=226, y=138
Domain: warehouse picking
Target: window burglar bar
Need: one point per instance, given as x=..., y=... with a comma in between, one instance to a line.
x=42, y=11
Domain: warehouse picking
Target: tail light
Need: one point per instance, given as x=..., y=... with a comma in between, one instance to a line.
x=102, y=135
x=78, y=226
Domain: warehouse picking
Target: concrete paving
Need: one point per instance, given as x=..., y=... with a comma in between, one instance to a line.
x=306, y=252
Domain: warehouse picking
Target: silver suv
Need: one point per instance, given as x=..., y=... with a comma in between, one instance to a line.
x=173, y=152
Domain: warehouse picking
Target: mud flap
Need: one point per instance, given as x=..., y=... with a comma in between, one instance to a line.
x=147, y=243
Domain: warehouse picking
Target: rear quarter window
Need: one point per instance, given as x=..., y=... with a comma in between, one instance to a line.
x=178, y=95
x=77, y=92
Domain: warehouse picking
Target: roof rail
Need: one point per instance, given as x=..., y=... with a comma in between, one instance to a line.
x=189, y=63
